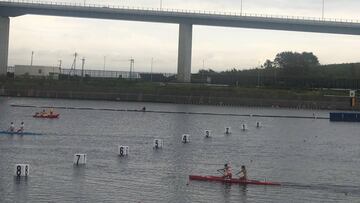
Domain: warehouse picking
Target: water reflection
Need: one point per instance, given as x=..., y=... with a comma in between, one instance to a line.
x=20, y=188
x=227, y=192
x=243, y=193
x=278, y=152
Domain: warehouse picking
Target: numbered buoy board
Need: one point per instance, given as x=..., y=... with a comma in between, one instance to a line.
x=79, y=159
x=185, y=138
x=244, y=127
x=207, y=133
x=123, y=150
x=158, y=143
x=227, y=130
x=22, y=170
x=258, y=124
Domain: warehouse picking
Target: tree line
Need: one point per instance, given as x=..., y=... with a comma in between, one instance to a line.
x=288, y=69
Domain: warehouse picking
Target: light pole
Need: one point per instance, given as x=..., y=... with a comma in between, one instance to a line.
x=323, y=8
x=258, y=75
x=241, y=7
x=152, y=63
x=82, y=67
x=60, y=61
x=132, y=62
x=32, y=57
x=104, y=66
x=160, y=4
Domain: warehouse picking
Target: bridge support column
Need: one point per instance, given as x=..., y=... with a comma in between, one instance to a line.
x=4, y=44
x=184, y=53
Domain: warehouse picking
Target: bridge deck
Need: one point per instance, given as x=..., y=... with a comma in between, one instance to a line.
x=18, y=8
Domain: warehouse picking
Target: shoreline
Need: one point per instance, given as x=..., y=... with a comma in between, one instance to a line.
x=338, y=103
x=171, y=112
x=197, y=94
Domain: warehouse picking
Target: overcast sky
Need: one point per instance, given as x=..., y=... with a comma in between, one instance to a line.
x=218, y=48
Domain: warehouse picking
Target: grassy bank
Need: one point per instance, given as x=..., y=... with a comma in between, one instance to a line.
x=166, y=92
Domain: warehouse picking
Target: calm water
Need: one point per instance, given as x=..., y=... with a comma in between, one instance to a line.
x=317, y=161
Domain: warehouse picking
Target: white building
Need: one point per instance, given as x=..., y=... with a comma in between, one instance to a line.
x=37, y=71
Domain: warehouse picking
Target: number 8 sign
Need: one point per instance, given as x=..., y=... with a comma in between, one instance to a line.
x=22, y=170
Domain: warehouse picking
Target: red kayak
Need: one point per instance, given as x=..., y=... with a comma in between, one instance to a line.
x=47, y=116
x=232, y=181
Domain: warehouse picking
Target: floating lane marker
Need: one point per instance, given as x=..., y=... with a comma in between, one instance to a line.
x=158, y=144
x=123, y=150
x=79, y=159
x=207, y=133
x=185, y=138
x=227, y=131
x=22, y=170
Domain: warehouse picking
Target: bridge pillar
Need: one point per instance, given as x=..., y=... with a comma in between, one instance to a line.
x=184, y=53
x=4, y=44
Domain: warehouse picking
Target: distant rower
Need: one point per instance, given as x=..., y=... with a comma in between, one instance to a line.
x=21, y=129
x=12, y=127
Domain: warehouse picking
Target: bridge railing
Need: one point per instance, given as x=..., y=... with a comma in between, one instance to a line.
x=186, y=11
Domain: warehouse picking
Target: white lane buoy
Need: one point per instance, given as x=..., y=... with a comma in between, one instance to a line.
x=185, y=138
x=207, y=133
x=22, y=170
x=258, y=124
x=79, y=159
x=158, y=144
x=227, y=130
x=123, y=150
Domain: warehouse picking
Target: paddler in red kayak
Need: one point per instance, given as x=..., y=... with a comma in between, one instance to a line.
x=226, y=171
x=242, y=173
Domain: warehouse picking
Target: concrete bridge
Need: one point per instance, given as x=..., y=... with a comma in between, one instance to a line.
x=186, y=19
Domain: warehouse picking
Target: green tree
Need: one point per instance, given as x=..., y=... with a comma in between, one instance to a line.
x=294, y=63
x=268, y=64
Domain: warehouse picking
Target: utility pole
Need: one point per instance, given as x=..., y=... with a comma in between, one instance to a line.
x=258, y=77
x=104, y=66
x=152, y=62
x=32, y=58
x=60, y=61
x=132, y=62
x=73, y=66
x=241, y=7
x=82, y=67
x=323, y=8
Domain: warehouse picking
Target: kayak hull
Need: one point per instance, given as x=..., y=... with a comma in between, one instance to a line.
x=232, y=180
x=48, y=116
x=18, y=133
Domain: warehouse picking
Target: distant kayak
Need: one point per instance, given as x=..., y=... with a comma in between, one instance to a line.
x=18, y=133
x=46, y=116
x=232, y=180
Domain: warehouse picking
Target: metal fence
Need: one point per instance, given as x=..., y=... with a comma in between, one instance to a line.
x=186, y=11
x=108, y=73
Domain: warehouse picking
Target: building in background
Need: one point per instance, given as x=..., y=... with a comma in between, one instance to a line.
x=36, y=71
